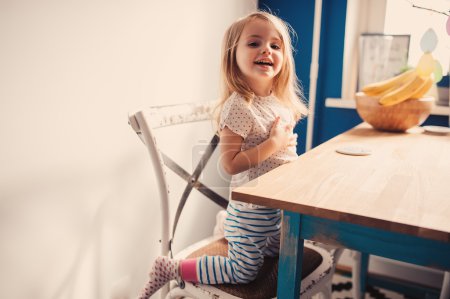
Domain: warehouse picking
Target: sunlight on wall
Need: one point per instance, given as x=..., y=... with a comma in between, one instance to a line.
x=78, y=204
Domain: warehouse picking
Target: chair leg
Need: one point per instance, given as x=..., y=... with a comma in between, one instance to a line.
x=445, y=291
x=177, y=293
x=326, y=291
x=323, y=293
x=165, y=290
x=359, y=274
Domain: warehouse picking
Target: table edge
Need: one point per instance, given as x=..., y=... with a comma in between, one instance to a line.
x=426, y=233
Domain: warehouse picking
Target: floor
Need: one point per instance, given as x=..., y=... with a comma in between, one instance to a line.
x=342, y=290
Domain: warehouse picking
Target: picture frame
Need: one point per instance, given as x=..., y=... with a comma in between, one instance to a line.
x=381, y=56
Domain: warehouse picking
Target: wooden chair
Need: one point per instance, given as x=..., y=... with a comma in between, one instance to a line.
x=318, y=264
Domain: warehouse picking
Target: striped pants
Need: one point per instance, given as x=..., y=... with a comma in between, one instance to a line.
x=252, y=234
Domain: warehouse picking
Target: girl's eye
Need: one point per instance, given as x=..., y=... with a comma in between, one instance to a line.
x=275, y=47
x=253, y=44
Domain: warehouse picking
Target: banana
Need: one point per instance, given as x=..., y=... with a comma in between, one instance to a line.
x=404, y=92
x=375, y=89
x=423, y=89
x=386, y=91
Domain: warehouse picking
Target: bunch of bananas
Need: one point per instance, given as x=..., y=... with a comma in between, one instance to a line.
x=407, y=85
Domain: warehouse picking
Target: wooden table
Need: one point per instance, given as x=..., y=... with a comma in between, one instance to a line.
x=393, y=203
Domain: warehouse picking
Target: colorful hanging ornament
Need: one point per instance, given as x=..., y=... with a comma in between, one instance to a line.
x=437, y=73
x=426, y=65
x=429, y=41
x=448, y=25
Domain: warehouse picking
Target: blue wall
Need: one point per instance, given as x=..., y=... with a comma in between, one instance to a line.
x=329, y=122
x=300, y=15
x=301, y=18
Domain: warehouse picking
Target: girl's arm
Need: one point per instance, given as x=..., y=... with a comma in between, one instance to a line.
x=235, y=161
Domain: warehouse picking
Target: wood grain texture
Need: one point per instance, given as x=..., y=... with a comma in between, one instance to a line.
x=403, y=186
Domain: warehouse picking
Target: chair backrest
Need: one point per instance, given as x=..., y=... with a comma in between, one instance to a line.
x=144, y=123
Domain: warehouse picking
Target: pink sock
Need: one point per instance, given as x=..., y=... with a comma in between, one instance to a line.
x=163, y=270
x=188, y=270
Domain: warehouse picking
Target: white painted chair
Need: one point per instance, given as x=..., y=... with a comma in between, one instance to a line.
x=318, y=263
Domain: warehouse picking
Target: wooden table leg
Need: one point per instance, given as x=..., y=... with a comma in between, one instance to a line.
x=291, y=256
x=360, y=272
x=364, y=271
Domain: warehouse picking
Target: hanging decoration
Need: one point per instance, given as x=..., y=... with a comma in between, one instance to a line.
x=448, y=25
x=427, y=64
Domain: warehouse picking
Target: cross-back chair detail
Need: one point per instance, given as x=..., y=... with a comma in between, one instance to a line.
x=162, y=116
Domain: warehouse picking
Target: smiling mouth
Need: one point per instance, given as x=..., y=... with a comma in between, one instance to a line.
x=262, y=62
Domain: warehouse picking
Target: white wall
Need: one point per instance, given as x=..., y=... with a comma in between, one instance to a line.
x=76, y=215
x=363, y=16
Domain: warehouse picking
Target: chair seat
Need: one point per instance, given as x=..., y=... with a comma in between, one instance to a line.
x=265, y=284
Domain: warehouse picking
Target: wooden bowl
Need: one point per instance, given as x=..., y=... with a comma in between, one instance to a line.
x=396, y=118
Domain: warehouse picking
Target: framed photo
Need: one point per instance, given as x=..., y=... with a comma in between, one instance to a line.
x=381, y=57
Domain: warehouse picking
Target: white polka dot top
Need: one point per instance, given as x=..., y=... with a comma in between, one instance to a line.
x=253, y=122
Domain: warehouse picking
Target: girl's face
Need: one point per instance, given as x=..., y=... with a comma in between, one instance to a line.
x=259, y=52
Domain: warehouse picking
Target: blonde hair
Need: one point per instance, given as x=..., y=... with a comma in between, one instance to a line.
x=285, y=86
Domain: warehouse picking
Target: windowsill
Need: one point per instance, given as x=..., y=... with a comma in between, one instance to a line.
x=350, y=104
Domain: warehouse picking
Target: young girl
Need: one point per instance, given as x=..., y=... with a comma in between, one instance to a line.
x=259, y=108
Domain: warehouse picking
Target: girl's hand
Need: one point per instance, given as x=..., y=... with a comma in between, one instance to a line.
x=234, y=160
x=282, y=135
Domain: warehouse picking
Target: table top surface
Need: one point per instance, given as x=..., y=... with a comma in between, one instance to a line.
x=402, y=186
